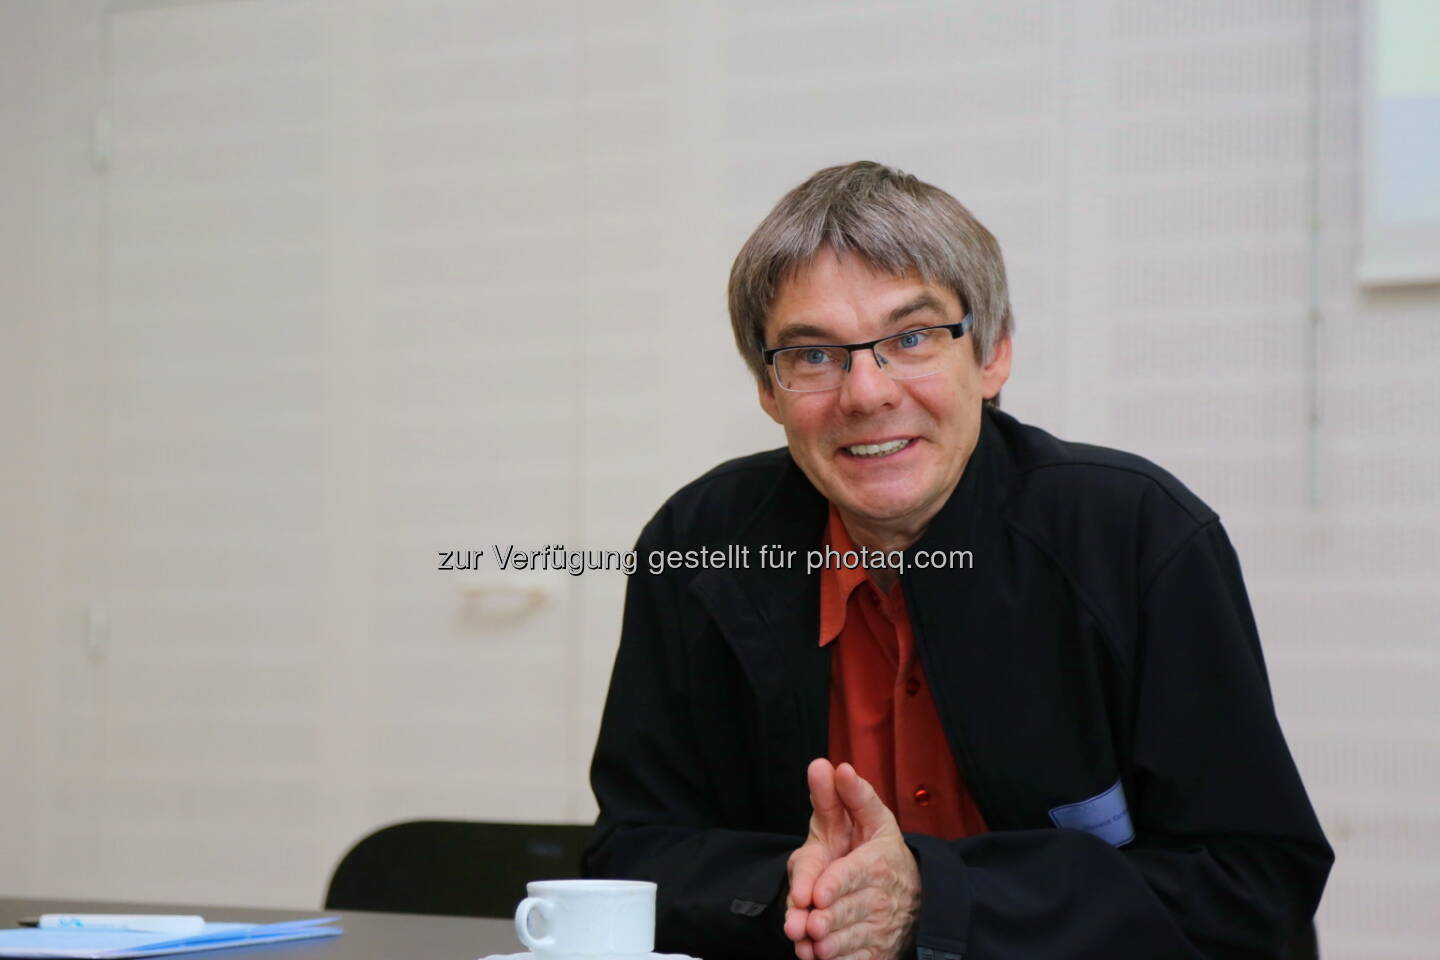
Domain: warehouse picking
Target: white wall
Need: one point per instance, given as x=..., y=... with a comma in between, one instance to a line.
x=19, y=434
x=337, y=285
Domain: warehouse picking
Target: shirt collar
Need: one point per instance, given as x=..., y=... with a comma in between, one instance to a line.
x=837, y=583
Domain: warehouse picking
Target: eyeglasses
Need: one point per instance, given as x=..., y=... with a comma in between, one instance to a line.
x=911, y=355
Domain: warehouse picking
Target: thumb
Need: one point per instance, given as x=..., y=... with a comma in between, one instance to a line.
x=805, y=867
x=862, y=802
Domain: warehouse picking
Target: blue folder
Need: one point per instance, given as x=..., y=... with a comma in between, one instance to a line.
x=112, y=945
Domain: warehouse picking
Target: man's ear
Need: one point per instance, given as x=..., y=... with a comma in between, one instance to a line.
x=994, y=374
x=766, y=389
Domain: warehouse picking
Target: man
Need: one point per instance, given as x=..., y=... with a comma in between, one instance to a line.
x=1035, y=724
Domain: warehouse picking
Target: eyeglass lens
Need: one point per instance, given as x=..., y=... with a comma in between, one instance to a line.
x=905, y=356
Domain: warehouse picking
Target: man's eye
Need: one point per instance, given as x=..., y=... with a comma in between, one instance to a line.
x=908, y=341
x=814, y=358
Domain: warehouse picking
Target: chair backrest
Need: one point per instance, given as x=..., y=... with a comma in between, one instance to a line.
x=454, y=867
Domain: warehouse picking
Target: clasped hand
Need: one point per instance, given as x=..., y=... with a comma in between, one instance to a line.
x=854, y=884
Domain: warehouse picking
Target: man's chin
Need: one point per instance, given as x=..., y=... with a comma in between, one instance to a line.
x=877, y=511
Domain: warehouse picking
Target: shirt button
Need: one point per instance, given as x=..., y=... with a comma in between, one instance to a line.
x=922, y=796
x=912, y=686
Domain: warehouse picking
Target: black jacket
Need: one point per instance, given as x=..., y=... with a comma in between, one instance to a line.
x=1102, y=635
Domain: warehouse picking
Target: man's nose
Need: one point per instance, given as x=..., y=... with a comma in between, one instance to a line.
x=866, y=387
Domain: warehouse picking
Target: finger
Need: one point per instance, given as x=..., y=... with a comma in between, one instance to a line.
x=844, y=912
x=844, y=942
x=805, y=950
x=829, y=810
x=842, y=877
x=861, y=801
x=796, y=922
x=806, y=865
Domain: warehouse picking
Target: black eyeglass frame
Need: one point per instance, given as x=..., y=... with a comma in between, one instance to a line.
x=957, y=330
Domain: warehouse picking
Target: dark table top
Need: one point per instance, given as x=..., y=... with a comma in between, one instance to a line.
x=381, y=936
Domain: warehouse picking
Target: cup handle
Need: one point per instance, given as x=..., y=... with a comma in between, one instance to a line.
x=522, y=922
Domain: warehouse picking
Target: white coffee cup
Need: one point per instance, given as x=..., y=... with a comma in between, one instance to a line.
x=587, y=919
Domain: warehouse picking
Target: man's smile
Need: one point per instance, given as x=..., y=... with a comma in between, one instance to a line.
x=876, y=449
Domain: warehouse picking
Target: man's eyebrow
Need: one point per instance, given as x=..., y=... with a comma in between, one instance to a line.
x=796, y=331
x=925, y=301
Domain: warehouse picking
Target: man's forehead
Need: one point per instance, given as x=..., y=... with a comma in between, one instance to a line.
x=823, y=293
x=827, y=261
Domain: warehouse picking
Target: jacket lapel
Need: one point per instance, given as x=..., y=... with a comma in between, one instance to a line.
x=770, y=618
x=962, y=616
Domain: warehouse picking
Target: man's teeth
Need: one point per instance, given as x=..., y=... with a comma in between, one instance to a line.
x=877, y=449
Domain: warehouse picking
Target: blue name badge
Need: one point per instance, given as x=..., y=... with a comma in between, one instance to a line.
x=1105, y=815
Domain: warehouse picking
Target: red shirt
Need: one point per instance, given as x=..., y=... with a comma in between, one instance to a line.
x=882, y=716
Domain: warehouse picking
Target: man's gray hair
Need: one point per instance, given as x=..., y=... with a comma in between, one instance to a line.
x=892, y=219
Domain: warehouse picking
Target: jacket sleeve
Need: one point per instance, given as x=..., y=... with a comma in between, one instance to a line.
x=720, y=890
x=1228, y=859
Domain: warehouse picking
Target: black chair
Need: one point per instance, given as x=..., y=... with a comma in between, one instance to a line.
x=454, y=867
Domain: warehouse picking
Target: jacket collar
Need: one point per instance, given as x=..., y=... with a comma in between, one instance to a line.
x=794, y=513
x=979, y=496
x=793, y=516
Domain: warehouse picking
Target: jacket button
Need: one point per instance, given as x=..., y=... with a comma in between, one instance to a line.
x=922, y=796
x=912, y=686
